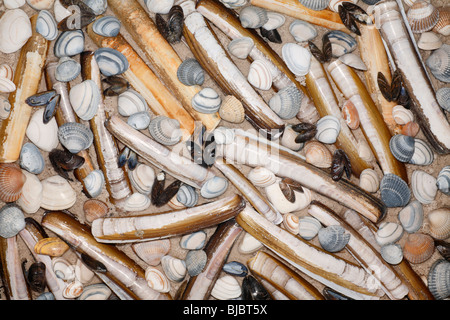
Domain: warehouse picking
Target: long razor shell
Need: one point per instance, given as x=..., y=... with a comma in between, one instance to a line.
x=282, y=277
x=204, y=43
x=16, y=287
x=141, y=77
x=166, y=224
x=364, y=253
x=173, y=163
x=161, y=55
x=120, y=269
x=429, y=115
x=328, y=269
x=375, y=57
x=371, y=122
x=249, y=191
x=217, y=250
x=27, y=77
x=293, y=8
x=64, y=114
x=326, y=103
x=248, y=151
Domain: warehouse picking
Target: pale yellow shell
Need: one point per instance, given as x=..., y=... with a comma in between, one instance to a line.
x=53, y=246
x=152, y=251
x=232, y=110
x=439, y=223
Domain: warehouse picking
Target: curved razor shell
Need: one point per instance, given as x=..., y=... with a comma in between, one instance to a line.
x=429, y=115
x=249, y=191
x=176, y=165
x=326, y=103
x=161, y=55
x=217, y=250
x=15, y=285
x=293, y=8
x=330, y=270
x=215, y=60
x=248, y=151
x=141, y=77
x=64, y=114
x=167, y=224
x=120, y=268
x=371, y=122
x=282, y=277
x=116, y=180
x=368, y=257
x=27, y=77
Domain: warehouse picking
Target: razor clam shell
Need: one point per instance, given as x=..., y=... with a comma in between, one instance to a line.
x=423, y=154
x=193, y=241
x=259, y=75
x=15, y=30
x=388, y=232
x=46, y=25
x=443, y=180
x=69, y=43
x=191, y=73
x=174, y=268
x=241, y=47
x=226, y=288
x=151, y=252
x=31, y=159
x=333, y=238
x=302, y=31
x=57, y=194
x=12, y=220
x=111, y=62
x=411, y=217
x=392, y=253
x=439, y=223
x=423, y=186
x=31, y=195
x=96, y=291
x=75, y=136
x=67, y=69
x=297, y=58
x=253, y=17
x=85, y=99
x=438, y=279
x=328, y=129
x=142, y=178
x=107, y=26
x=44, y=136
x=131, y=102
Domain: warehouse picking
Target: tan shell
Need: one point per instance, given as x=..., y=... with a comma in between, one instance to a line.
x=94, y=209
x=31, y=195
x=318, y=154
x=402, y=115
x=57, y=194
x=443, y=24
x=232, y=110
x=73, y=290
x=439, y=223
x=369, y=180
x=12, y=180
x=152, y=251
x=157, y=280
x=422, y=16
x=418, y=248
x=53, y=247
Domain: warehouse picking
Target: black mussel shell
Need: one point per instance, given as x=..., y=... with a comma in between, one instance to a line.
x=158, y=187
x=81, y=16
x=117, y=86
x=348, y=20
x=339, y=165
x=93, y=264
x=331, y=294
x=172, y=29
x=123, y=156
x=306, y=131
x=63, y=161
x=271, y=35
x=168, y=193
x=202, y=150
x=252, y=289
x=132, y=161
x=50, y=108
x=288, y=186
x=390, y=91
x=36, y=276
x=41, y=99
x=358, y=13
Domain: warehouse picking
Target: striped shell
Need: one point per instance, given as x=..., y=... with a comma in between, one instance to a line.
x=369, y=180
x=85, y=98
x=328, y=128
x=402, y=147
x=392, y=253
x=67, y=69
x=52, y=246
x=394, y=191
x=131, y=102
x=423, y=154
x=297, y=58
x=316, y=5
x=174, y=268
x=341, y=43
x=7, y=85
x=75, y=136
x=207, y=101
x=31, y=158
x=165, y=130
x=31, y=195
x=443, y=98
x=214, y=187
x=94, y=183
x=12, y=220
x=438, y=279
x=108, y=26
x=259, y=75
x=151, y=252
x=235, y=268
x=94, y=209
x=157, y=280
x=302, y=31
x=6, y=71
x=193, y=241
x=12, y=180
x=226, y=288
x=286, y=102
x=139, y=120
x=291, y=222
x=439, y=63
x=253, y=17
x=73, y=290
x=187, y=195
x=142, y=178
x=137, y=202
x=63, y=269
x=44, y=136
x=111, y=62
x=241, y=47
x=69, y=43
x=388, y=232
x=275, y=20
x=191, y=73
x=333, y=238
x=96, y=291
x=15, y=30
x=443, y=180
x=308, y=227
x=411, y=217
x=443, y=24
x=5, y=108
x=261, y=177
x=46, y=25
x=232, y=110
x=402, y=115
x=317, y=154
x=57, y=194
x=350, y=115
x=422, y=16
x=423, y=186
x=195, y=261
x=439, y=223
x=418, y=247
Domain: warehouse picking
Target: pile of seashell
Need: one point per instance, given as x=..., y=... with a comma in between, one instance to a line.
x=233, y=150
